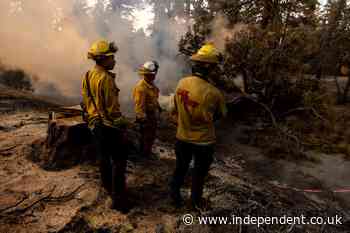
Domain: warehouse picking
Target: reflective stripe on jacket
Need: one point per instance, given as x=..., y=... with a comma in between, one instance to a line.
x=105, y=94
x=196, y=102
x=145, y=97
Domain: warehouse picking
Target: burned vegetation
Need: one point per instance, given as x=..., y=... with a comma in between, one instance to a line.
x=282, y=151
x=290, y=59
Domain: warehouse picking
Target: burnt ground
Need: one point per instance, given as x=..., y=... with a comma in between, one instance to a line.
x=242, y=182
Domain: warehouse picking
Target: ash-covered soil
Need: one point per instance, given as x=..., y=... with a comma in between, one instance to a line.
x=242, y=182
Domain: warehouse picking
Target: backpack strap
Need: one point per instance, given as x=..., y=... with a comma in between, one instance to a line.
x=87, y=81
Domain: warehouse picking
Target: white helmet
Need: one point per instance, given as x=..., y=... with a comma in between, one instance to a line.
x=149, y=67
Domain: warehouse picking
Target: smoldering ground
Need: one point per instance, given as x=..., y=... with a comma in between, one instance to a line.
x=49, y=39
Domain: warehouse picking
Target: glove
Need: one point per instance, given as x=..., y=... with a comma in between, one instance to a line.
x=121, y=122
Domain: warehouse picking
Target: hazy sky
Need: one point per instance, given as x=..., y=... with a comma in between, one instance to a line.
x=145, y=16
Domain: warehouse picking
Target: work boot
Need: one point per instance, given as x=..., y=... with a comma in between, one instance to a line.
x=121, y=204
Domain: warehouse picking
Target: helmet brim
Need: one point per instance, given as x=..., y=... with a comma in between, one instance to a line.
x=109, y=54
x=204, y=59
x=142, y=72
x=93, y=56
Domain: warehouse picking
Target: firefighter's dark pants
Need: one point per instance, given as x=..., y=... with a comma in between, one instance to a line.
x=113, y=159
x=148, y=131
x=203, y=157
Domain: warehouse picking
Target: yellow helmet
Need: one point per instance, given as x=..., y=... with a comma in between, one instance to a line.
x=102, y=48
x=208, y=54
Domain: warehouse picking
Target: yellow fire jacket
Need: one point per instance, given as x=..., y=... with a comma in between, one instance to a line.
x=105, y=94
x=145, y=97
x=196, y=102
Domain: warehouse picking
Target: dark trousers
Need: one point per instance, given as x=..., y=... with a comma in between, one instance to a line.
x=148, y=132
x=203, y=157
x=113, y=159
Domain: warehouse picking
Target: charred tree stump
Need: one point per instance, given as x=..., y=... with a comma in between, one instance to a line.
x=69, y=142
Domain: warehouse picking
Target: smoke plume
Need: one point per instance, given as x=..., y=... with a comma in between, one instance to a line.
x=49, y=39
x=221, y=32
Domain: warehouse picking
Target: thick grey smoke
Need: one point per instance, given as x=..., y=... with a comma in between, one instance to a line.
x=50, y=39
x=29, y=40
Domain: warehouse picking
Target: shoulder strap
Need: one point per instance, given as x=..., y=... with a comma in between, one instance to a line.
x=93, y=100
x=87, y=80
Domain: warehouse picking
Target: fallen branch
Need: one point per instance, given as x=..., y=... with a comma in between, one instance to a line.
x=274, y=122
x=68, y=196
x=15, y=205
x=7, y=149
x=23, y=210
x=313, y=110
x=291, y=111
x=46, y=198
x=318, y=115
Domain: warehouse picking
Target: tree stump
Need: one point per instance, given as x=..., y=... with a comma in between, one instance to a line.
x=69, y=142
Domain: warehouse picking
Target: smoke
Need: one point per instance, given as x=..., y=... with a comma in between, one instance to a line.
x=49, y=39
x=162, y=46
x=30, y=41
x=221, y=32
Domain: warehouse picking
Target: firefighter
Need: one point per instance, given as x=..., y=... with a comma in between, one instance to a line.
x=101, y=103
x=147, y=107
x=197, y=104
